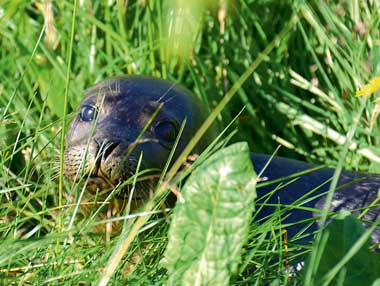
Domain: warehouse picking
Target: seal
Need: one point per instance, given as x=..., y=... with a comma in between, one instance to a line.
x=298, y=190
x=124, y=117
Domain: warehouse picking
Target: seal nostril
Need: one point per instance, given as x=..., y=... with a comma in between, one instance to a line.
x=109, y=149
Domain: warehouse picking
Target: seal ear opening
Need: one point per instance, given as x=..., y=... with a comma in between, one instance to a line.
x=166, y=130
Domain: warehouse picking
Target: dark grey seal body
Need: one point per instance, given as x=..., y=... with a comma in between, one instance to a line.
x=355, y=191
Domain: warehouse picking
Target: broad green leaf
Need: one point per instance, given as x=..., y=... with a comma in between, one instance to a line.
x=363, y=268
x=210, y=223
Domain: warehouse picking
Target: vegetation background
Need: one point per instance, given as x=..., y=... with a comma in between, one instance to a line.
x=300, y=95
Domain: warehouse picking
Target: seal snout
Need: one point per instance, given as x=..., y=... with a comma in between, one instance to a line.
x=105, y=163
x=107, y=151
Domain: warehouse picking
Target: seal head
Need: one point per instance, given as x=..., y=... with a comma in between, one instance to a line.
x=121, y=118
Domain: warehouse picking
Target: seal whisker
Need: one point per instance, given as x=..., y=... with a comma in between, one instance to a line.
x=166, y=93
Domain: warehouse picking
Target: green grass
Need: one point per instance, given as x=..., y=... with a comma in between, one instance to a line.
x=298, y=92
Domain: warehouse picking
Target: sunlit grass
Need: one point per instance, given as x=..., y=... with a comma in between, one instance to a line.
x=300, y=94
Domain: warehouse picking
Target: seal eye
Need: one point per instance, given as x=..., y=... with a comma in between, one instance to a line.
x=88, y=113
x=167, y=131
